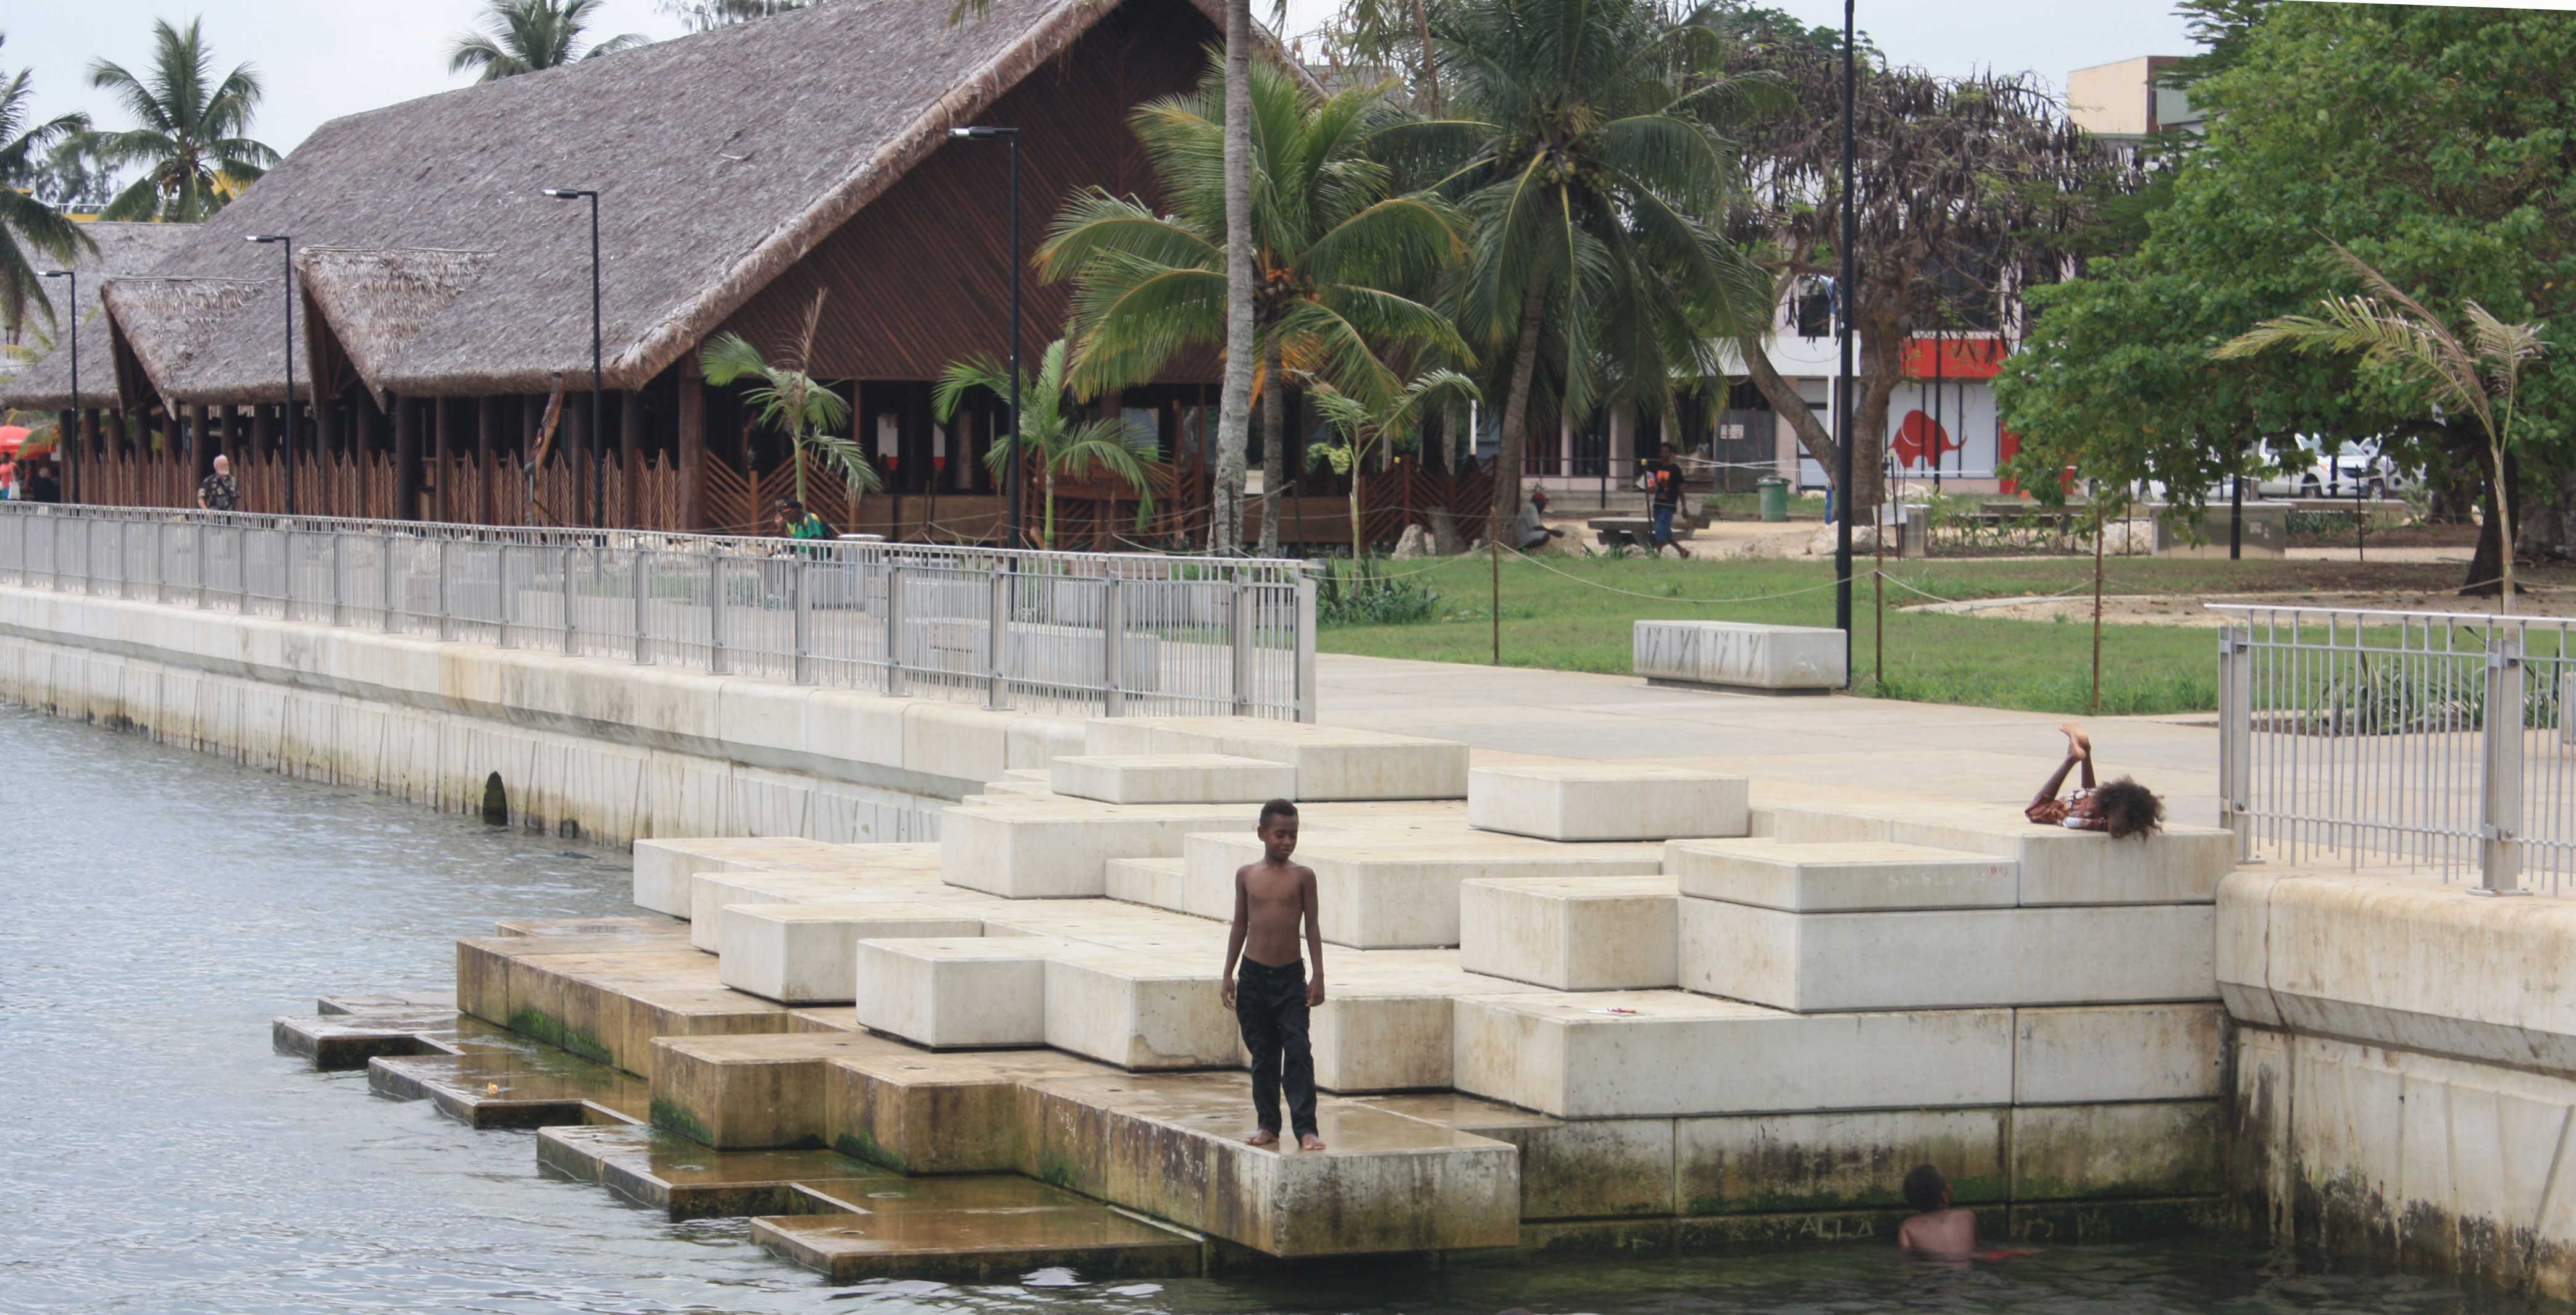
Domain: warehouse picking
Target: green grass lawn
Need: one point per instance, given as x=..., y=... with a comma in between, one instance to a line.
x=1575, y=614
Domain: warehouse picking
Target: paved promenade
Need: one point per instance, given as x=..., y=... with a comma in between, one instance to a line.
x=1867, y=745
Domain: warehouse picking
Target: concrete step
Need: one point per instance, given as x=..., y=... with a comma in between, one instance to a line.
x=342, y=1039
x=1572, y=934
x=1139, y=1010
x=1606, y=801
x=684, y=1180
x=904, y=872
x=1385, y=889
x=603, y=1000
x=804, y=954
x=1057, y=848
x=663, y=867
x=1840, y=876
x=974, y=1229
x=1155, y=882
x=1332, y=762
x=1174, y=778
x=952, y=992
x=512, y=1089
x=2178, y=865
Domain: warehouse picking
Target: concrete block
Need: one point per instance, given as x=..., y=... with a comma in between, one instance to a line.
x=1784, y=1162
x=1155, y=882
x=805, y=953
x=1587, y=1169
x=1646, y=1053
x=1382, y=890
x=932, y=1112
x=1138, y=1011
x=1605, y=801
x=748, y=1092
x=1174, y=778
x=955, y=741
x=2118, y=1053
x=943, y=992
x=1059, y=848
x=1332, y=762
x=663, y=867
x=1839, y=876
x=2178, y=865
x=1571, y=934
x=1947, y=959
x=1741, y=655
x=2168, y=1148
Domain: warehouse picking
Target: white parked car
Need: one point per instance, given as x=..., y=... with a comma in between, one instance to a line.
x=2357, y=469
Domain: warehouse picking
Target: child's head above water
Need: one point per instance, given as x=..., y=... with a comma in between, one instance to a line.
x=1927, y=1190
x=2126, y=808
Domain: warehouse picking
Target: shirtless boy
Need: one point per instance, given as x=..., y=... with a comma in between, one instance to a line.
x=1937, y=1227
x=1272, y=997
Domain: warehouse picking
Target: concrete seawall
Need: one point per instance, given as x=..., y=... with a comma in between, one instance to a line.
x=612, y=751
x=2405, y=1071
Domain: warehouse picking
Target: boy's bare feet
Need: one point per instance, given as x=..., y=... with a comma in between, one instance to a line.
x=1310, y=1142
x=2077, y=740
x=1264, y=1137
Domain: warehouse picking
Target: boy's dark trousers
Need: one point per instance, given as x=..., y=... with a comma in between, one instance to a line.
x=1270, y=1004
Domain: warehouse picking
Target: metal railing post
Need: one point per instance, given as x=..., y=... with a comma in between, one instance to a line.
x=638, y=565
x=997, y=638
x=715, y=611
x=894, y=630
x=563, y=565
x=390, y=622
x=2500, y=824
x=446, y=614
x=337, y=617
x=1307, y=711
x=1113, y=636
x=202, y=561
x=800, y=598
x=501, y=586
x=1239, y=621
x=2236, y=737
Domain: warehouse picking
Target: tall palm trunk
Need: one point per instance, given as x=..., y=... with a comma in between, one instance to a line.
x=1049, y=467
x=1430, y=71
x=1359, y=542
x=1274, y=448
x=1507, y=459
x=1234, y=427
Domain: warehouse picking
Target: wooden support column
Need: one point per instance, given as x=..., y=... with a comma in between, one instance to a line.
x=574, y=432
x=201, y=454
x=326, y=428
x=263, y=447
x=487, y=425
x=443, y=459
x=145, y=470
x=406, y=458
x=532, y=419
x=693, y=445
x=630, y=457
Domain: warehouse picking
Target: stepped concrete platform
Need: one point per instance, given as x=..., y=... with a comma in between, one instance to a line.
x=663, y=867
x=803, y=954
x=1840, y=876
x=1156, y=882
x=1606, y=801
x=2178, y=865
x=956, y=992
x=512, y=1088
x=1332, y=762
x=1174, y=778
x=1948, y=958
x=685, y=1180
x=1398, y=889
x=1572, y=934
x=1058, y=848
x=970, y=1230
x=905, y=872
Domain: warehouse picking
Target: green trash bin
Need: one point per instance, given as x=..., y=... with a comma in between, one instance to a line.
x=1775, y=497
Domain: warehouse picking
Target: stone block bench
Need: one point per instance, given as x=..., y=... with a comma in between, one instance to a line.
x=1739, y=655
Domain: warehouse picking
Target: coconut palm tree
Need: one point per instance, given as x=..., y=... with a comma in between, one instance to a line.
x=705, y=15
x=1341, y=260
x=1584, y=145
x=1370, y=429
x=29, y=227
x=191, y=134
x=526, y=36
x=1048, y=430
x=788, y=398
x=2478, y=376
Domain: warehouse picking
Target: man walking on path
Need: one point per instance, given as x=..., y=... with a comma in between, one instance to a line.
x=1271, y=1000
x=1663, y=479
x=219, y=492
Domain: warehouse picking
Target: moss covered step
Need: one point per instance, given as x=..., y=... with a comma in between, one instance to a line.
x=685, y=1180
x=511, y=1088
x=604, y=1000
x=976, y=1228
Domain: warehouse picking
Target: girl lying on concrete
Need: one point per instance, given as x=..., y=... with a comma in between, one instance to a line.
x=2122, y=807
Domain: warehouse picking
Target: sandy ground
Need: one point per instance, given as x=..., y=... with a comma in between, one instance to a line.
x=2191, y=609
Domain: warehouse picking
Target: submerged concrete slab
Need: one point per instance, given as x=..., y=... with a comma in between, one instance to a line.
x=1060, y=848
x=1840, y=876
x=510, y=1088
x=1174, y=778
x=970, y=1229
x=804, y=954
x=949, y=992
x=1605, y=801
x=1571, y=934
x=1644, y=1053
x=1947, y=959
x=685, y=1180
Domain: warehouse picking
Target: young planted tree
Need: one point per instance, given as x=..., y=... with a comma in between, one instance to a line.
x=2477, y=375
x=1368, y=429
x=527, y=36
x=1584, y=146
x=786, y=397
x=1049, y=432
x=191, y=135
x=28, y=227
x=1342, y=261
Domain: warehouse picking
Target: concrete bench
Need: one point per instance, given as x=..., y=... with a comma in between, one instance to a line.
x=1740, y=655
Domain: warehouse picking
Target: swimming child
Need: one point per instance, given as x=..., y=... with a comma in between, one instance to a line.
x=1937, y=1227
x=2122, y=807
x=1271, y=999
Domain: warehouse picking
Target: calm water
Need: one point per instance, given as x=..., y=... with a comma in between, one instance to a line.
x=158, y=1157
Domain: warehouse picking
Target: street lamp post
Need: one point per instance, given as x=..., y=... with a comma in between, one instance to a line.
x=287, y=241
x=1843, y=382
x=598, y=437
x=64, y=443
x=1011, y=489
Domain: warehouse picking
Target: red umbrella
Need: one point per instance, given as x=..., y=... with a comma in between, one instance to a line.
x=13, y=435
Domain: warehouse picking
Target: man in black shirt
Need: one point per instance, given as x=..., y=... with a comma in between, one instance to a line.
x=1664, y=483
x=42, y=486
x=219, y=492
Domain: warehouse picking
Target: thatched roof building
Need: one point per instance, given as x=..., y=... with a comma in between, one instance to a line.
x=46, y=384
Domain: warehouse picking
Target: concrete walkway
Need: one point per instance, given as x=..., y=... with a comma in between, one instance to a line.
x=1867, y=746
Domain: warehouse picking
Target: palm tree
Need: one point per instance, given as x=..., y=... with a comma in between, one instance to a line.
x=1585, y=149
x=1368, y=429
x=192, y=129
x=789, y=398
x=526, y=36
x=1338, y=255
x=706, y=15
x=2480, y=377
x=29, y=226
x=1061, y=444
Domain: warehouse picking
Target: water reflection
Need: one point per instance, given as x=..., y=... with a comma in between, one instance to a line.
x=163, y=905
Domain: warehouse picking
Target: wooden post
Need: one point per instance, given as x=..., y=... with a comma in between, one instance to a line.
x=442, y=442
x=487, y=426
x=406, y=458
x=630, y=455
x=693, y=445
x=201, y=453
x=167, y=459
x=572, y=438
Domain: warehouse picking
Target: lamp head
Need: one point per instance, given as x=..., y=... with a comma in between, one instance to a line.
x=57, y=274
x=265, y=239
x=569, y=193
x=980, y=132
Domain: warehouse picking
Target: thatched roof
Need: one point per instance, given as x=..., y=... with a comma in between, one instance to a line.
x=720, y=158
x=195, y=330
x=46, y=384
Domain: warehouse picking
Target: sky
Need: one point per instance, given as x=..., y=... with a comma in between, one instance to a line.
x=324, y=58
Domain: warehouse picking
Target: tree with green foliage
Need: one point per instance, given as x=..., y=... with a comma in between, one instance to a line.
x=1586, y=144
x=2432, y=142
x=28, y=226
x=191, y=137
x=1369, y=429
x=1342, y=261
x=707, y=15
x=787, y=397
x=1050, y=431
x=529, y=36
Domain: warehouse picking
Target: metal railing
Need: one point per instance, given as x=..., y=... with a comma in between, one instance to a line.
x=1119, y=634
x=2427, y=740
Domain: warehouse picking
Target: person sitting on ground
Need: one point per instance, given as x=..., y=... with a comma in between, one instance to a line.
x=1273, y=995
x=1662, y=478
x=1529, y=531
x=1936, y=1227
x=219, y=492
x=2122, y=807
